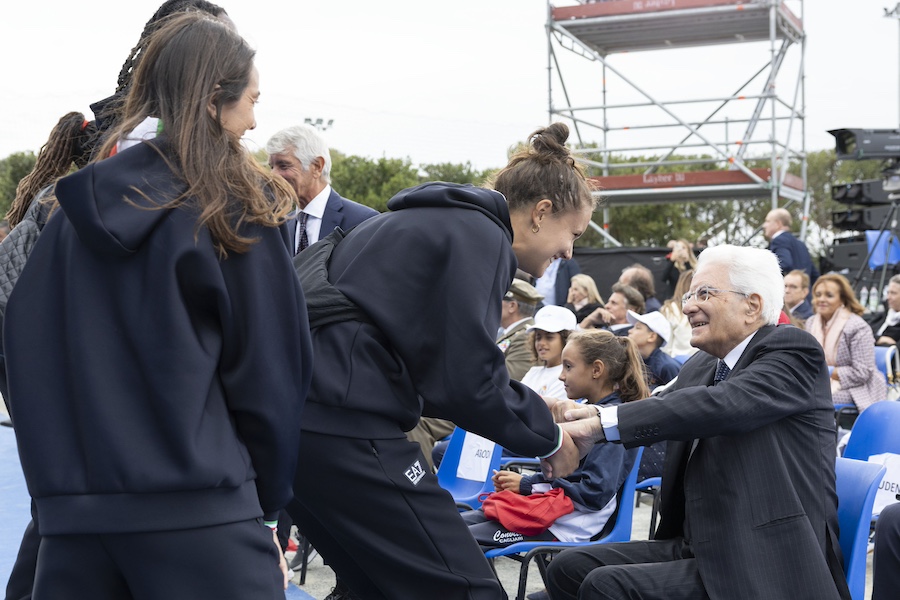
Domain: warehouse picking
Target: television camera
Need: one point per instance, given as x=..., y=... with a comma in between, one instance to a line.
x=872, y=204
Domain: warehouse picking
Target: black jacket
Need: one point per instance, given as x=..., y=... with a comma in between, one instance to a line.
x=430, y=276
x=154, y=386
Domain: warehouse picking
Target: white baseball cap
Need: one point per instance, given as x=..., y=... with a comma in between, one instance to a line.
x=554, y=319
x=655, y=322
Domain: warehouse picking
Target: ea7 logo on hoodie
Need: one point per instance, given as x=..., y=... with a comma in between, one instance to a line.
x=415, y=473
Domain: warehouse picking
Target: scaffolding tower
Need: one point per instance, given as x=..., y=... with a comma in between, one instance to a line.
x=735, y=132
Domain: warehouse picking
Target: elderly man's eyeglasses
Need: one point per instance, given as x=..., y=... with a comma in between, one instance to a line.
x=703, y=294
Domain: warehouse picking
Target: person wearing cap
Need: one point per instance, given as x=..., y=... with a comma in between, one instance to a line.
x=650, y=332
x=519, y=305
x=546, y=338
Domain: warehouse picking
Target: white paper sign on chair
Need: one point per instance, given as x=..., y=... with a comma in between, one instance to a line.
x=889, y=488
x=475, y=459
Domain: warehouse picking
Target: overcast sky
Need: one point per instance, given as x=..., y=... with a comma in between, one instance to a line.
x=451, y=81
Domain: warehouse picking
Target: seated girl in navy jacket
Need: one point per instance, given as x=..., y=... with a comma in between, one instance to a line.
x=604, y=369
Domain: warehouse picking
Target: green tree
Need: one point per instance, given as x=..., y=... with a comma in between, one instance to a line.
x=454, y=173
x=13, y=168
x=371, y=181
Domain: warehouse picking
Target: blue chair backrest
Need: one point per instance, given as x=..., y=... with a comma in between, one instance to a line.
x=856, y=481
x=682, y=358
x=877, y=430
x=482, y=456
x=886, y=361
x=621, y=532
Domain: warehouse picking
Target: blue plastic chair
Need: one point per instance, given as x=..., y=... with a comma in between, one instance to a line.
x=682, y=358
x=650, y=486
x=856, y=481
x=877, y=430
x=886, y=361
x=524, y=552
x=466, y=491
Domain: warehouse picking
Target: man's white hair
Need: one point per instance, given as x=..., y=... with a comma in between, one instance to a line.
x=305, y=143
x=750, y=271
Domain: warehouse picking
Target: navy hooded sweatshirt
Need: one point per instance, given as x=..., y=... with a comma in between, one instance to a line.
x=431, y=277
x=154, y=385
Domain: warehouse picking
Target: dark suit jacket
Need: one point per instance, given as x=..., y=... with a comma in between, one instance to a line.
x=793, y=254
x=758, y=494
x=803, y=310
x=339, y=212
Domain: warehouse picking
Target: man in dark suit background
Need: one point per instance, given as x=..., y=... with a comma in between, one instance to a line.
x=748, y=503
x=300, y=155
x=791, y=252
x=796, y=290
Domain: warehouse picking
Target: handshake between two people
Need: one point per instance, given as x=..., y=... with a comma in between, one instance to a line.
x=581, y=429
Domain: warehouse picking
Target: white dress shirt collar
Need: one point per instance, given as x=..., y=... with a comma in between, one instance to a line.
x=734, y=356
x=316, y=207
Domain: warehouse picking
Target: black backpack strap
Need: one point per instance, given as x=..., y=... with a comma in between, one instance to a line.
x=325, y=303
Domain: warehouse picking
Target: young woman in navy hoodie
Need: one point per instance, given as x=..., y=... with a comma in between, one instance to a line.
x=429, y=277
x=143, y=337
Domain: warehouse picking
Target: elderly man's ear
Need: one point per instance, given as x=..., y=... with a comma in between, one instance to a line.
x=754, y=307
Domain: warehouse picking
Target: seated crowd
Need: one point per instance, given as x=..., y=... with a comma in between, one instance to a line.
x=559, y=338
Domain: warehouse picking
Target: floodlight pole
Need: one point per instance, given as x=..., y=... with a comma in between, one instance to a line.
x=894, y=13
x=320, y=124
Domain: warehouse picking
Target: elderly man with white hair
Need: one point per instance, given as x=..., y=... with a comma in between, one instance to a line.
x=748, y=504
x=300, y=155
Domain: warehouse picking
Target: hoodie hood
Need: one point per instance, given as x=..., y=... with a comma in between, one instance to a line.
x=440, y=194
x=109, y=215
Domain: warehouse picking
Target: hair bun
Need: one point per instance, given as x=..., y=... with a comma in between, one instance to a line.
x=551, y=140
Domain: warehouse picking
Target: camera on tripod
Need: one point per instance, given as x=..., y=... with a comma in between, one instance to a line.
x=871, y=207
x=868, y=201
